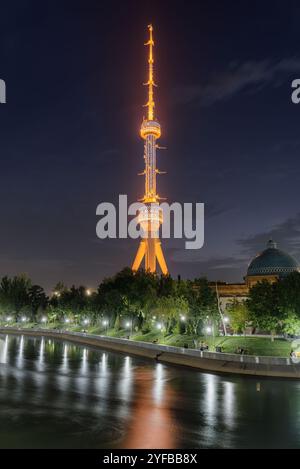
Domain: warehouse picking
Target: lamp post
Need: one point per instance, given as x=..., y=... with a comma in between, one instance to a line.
x=210, y=332
x=128, y=326
x=105, y=324
x=86, y=322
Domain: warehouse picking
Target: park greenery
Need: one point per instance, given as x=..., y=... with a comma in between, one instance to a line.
x=145, y=306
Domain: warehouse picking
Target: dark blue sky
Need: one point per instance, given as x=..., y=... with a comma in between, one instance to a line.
x=69, y=131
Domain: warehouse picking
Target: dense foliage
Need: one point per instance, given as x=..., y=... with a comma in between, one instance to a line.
x=271, y=307
x=142, y=302
x=138, y=301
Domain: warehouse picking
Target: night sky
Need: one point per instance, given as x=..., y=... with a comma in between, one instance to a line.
x=69, y=133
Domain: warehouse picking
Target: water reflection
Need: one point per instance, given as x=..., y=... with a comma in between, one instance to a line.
x=125, y=382
x=4, y=350
x=65, y=365
x=20, y=357
x=158, y=388
x=229, y=410
x=151, y=426
x=55, y=394
x=42, y=354
x=84, y=362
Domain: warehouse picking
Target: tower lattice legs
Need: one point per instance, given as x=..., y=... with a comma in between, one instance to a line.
x=160, y=257
x=150, y=250
x=139, y=255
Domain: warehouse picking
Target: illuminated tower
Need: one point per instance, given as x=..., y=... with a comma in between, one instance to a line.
x=150, y=217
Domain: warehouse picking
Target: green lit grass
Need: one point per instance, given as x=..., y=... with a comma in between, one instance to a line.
x=252, y=345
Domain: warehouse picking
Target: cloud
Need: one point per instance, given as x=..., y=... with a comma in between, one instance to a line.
x=251, y=76
x=211, y=263
x=286, y=234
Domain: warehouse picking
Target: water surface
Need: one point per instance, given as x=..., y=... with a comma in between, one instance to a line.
x=58, y=395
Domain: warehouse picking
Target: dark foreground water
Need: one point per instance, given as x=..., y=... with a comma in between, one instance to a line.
x=57, y=395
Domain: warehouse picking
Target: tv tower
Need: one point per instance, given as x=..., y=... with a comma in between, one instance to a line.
x=150, y=217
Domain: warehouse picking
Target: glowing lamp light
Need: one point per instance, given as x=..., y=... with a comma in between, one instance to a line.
x=105, y=322
x=44, y=319
x=67, y=320
x=88, y=292
x=208, y=330
x=86, y=321
x=128, y=325
x=183, y=318
x=226, y=320
x=159, y=326
x=9, y=318
x=23, y=319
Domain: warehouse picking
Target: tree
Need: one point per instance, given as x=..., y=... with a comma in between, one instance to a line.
x=239, y=315
x=37, y=300
x=128, y=293
x=14, y=294
x=264, y=308
x=168, y=310
x=203, y=305
x=291, y=324
x=289, y=295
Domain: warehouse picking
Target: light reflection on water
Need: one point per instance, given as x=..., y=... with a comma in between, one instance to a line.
x=55, y=394
x=4, y=350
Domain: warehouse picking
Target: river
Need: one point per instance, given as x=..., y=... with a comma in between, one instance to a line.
x=58, y=395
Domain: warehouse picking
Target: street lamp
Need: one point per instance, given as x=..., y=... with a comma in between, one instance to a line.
x=159, y=326
x=86, y=321
x=23, y=319
x=208, y=330
x=129, y=325
x=9, y=319
x=105, y=324
x=182, y=318
x=226, y=320
x=44, y=319
x=67, y=321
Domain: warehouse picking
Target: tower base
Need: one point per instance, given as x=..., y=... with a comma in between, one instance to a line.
x=150, y=249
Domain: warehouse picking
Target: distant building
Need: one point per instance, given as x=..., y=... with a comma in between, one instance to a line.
x=272, y=264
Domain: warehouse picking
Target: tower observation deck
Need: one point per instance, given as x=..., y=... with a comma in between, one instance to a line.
x=150, y=217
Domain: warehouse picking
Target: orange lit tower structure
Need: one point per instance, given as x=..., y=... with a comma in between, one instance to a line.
x=150, y=217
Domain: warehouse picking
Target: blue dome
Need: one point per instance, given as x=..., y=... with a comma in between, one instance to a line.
x=273, y=261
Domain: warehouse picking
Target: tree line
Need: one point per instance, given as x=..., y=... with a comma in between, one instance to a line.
x=143, y=301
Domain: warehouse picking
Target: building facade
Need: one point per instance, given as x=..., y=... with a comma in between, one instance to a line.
x=271, y=265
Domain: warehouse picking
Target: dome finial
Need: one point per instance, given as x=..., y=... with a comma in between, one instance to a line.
x=271, y=244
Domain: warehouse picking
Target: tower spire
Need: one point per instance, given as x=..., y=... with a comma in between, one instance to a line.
x=150, y=82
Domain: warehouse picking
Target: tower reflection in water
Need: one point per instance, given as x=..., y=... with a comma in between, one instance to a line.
x=151, y=424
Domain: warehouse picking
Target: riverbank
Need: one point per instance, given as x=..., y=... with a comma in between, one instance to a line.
x=202, y=361
x=253, y=345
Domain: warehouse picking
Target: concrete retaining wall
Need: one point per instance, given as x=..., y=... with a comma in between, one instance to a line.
x=205, y=361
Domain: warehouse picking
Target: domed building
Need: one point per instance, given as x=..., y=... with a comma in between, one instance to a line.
x=271, y=265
